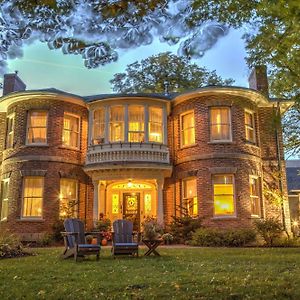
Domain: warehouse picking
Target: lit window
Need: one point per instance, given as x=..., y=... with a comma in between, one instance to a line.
x=220, y=127
x=33, y=197
x=155, y=124
x=68, y=198
x=10, y=132
x=4, y=199
x=148, y=204
x=223, y=195
x=99, y=126
x=116, y=124
x=249, y=126
x=70, y=136
x=135, y=124
x=254, y=195
x=115, y=203
x=190, y=201
x=37, y=127
x=187, y=129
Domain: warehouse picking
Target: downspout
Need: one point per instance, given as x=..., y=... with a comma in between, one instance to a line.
x=279, y=166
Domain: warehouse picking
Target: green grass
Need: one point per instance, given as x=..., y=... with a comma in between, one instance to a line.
x=180, y=273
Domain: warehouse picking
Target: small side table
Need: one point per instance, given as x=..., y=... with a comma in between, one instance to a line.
x=152, y=245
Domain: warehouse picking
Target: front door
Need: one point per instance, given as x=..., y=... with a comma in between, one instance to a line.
x=131, y=209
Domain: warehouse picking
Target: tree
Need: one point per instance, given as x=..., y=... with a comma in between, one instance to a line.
x=164, y=71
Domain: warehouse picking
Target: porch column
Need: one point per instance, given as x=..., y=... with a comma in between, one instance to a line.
x=95, y=206
x=160, y=204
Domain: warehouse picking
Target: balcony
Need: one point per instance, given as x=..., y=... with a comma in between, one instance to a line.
x=128, y=152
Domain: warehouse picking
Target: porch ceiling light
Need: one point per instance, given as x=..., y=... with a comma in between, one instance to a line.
x=129, y=184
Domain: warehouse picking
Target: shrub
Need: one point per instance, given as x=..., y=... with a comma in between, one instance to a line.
x=104, y=224
x=182, y=228
x=211, y=237
x=57, y=228
x=10, y=245
x=269, y=229
x=167, y=238
x=151, y=229
x=45, y=240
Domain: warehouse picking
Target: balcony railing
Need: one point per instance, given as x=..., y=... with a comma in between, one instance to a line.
x=128, y=152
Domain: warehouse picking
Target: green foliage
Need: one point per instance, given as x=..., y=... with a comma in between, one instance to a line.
x=103, y=224
x=211, y=237
x=269, y=229
x=153, y=73
x=151, y=229
x=10, y=245
x=167, y=237
x=45, y=240
x=58, y=228
x=183, y=227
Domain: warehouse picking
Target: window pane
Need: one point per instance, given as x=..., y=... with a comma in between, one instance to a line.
x=135, y=123
x=4, y=210
x=37, y=127
x=10, y=132
x=115, y=203
x=249, y=126
x=99, y=126
x=4, y=199
x=148, y=204
x=33, y=197
x=116, y=124
x=68, y=198
x=190, y=200
x=155, y=124
x=223, y=195
x=70, y=136
x=220, y=123
x=255, y=196
x=188, y=129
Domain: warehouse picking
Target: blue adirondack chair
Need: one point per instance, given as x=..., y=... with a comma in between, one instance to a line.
x=123, y=239
x=75, y=241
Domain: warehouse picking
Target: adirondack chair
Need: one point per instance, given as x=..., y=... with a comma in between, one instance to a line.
x=122, y=239
x=75, y=242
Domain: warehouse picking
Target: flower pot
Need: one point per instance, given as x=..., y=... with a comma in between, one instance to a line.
x=104, y=242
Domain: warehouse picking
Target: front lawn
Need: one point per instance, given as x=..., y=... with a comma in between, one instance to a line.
x=180, y=273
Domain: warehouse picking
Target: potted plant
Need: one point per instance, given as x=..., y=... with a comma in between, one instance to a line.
x=104, y=226
x=152, y=230
x=167, y=238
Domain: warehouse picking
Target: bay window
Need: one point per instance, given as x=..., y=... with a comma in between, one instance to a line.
x=71, y=129
x=136, y=132
x=4, y=199
x=249, y=126
x=223, y=189
x=117, y=124
x=220, y=124
x=37, y=127
x=155, y=124
x=190, y=200
x=10, y=131
x=99, y=126
x=187, y=129
x=255, y=195
x=32, y=197
x=68, y=196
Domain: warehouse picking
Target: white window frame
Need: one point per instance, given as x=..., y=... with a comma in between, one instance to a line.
x=247, y=126
x=76, y=208
x=4, y=200
x=102, y=140
x=229, y=120
x=161, y=123
x=124, y=123
x=186, y=198
x=234, y=215
x=23, y=194
x=27, y=127
x=137, y=131
x=181, y=129
x=11, y=133
x=259, y=197
x=79, y=131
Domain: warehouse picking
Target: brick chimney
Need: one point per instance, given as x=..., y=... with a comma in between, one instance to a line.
x=258, y=80
x=12, y=83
